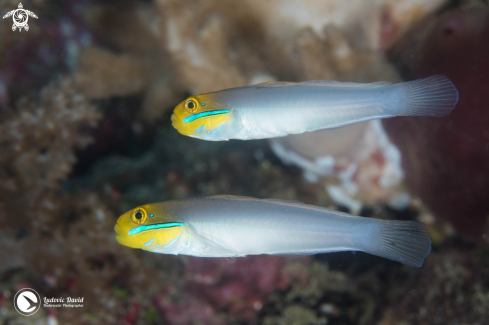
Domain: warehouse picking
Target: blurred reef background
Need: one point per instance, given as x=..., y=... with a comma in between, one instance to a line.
x=85, y=134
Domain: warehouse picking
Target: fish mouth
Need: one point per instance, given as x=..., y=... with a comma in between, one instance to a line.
x=178, y=124
x=181, y=127
x=122, y=236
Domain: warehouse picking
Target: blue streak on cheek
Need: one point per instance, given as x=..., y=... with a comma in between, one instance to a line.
x=189, y=237
x=203, y=104
x=173, y=241
x=150, y=242
x=151, y=215
x=199, y=129
x=216, y=131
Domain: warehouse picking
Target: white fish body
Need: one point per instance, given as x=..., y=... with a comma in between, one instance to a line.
x=230, y=226
x=277, y=109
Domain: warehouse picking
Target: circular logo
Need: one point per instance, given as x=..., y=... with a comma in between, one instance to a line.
x=27, y=302
x=20, y=17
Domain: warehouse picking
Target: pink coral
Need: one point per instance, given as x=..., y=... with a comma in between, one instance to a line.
x=238, y=287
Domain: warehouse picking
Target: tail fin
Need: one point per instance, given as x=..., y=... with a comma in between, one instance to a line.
x=433, y=96
x=407, y=242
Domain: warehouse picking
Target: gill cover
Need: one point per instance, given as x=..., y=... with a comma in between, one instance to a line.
x=200, y=116
x=147, y=228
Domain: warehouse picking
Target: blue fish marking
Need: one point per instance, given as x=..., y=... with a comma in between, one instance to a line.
x=139, y=229
x=199, y=129
x=194, y=117
x=173, y=241
x=150, y=242
x=189, y=237
x=216, y=131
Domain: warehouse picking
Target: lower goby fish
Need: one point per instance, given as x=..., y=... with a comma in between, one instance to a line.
x=276, y=109
x=233, y=226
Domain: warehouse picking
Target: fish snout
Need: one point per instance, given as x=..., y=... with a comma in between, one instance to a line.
x=178, y=124
x=174, y=120
x=122, y=235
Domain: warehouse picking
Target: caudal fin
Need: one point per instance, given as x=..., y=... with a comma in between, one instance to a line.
x=433, y=96
x=407, y=242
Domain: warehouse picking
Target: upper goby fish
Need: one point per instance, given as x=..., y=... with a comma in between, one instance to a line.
x=276, y=109
x=232, y=226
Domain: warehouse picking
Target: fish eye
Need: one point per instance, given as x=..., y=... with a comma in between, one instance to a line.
x=191, y=105
x=139, y=216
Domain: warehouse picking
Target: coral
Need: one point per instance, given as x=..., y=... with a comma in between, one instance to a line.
x=128, y=75
x=137, y=31
x=327, y=295
x=52, y=232
x=37, y=141
x=452, y=177
x=239, y=288
x=203, y=62
x=139, y=59
x=333, y=54
x=296, y=315
x=455, y=283
x=9, y=251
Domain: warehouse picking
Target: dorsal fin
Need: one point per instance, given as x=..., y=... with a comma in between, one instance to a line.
x=297, y=204
x=233, y=197
x=324, y=83
x=275, y=84
x=289, y=203
x=333, y=83
x=280, y=201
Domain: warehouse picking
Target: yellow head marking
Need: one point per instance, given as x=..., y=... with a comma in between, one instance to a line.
x=200, y=116
x=146, y=227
